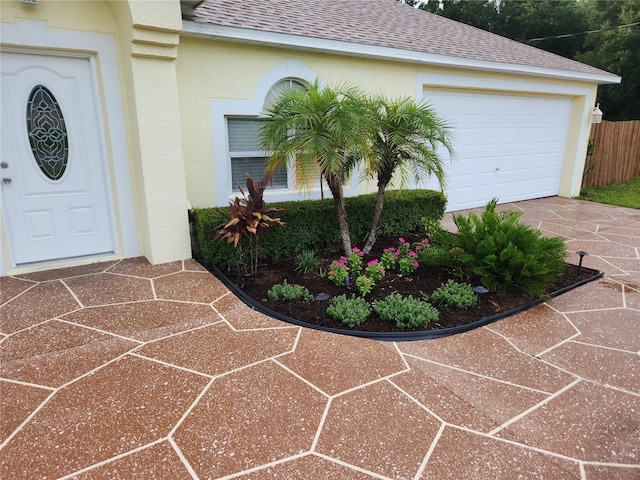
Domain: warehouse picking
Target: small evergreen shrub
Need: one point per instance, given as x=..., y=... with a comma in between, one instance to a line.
x=406, y=312
x=307, y=261
x=454, y=295
x=500, y=251
x=284, y=291
x=350, y=311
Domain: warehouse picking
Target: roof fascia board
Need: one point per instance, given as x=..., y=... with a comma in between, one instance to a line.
x=245, y=35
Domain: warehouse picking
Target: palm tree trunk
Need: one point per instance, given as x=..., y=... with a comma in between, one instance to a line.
x=335, y=185
x=377, y=214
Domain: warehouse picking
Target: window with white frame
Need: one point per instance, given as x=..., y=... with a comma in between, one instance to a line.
x=245, y=155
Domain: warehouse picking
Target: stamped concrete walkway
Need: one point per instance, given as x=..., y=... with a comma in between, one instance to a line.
x=127, y=370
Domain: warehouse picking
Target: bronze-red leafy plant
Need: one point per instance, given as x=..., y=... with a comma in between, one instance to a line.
x=249, y=216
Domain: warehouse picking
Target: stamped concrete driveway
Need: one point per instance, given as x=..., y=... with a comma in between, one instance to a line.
x=127, y=370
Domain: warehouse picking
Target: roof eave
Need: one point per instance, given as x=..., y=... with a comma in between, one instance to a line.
x=187, y=7
x=300, y=42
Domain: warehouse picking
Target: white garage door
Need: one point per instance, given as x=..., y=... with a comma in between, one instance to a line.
x=506, y=146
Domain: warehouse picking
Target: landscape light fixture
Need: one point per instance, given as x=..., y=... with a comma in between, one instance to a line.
x=322, y=298
x=582, y=254
x=239, y=264
x=596, y=114
x=479, y=291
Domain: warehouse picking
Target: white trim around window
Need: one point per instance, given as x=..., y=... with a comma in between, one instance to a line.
x=221, y=110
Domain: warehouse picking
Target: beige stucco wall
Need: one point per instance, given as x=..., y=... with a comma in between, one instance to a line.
x=211, y=70
x=148, y=53
x=90, y=16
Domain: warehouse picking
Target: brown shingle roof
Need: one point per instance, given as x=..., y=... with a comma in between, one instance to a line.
x=382, y=23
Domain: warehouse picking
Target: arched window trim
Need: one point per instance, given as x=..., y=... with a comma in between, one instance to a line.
x=279, y=87
x=223, y=109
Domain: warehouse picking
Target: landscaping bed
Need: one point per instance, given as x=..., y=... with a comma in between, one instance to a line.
x=424, y=280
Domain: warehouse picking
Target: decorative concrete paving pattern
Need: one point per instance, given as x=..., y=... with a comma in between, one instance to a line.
x=129, y=370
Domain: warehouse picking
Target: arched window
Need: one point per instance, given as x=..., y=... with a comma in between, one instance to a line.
x=244, y=142
x=282, y=86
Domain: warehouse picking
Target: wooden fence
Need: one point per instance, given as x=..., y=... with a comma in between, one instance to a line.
x=616, y=153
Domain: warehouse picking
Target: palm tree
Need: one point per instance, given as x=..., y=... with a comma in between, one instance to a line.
x=405, y=137
x=318, y=131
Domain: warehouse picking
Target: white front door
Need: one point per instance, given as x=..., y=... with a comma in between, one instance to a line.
x=55, y=189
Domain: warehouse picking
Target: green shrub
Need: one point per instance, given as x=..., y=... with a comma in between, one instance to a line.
x=313, y=224
x=454, y=295
x=406, y=312
x=501, y=252
x=307, y=261
x=350, y=311
x=284, y=291
x=434, y=255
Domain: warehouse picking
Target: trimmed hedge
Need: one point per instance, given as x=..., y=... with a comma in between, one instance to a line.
x=313, y=224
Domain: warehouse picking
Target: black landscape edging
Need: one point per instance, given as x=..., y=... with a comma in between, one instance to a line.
x=392, y=336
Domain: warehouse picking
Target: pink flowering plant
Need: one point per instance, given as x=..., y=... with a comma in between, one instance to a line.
x=374, y=270
x=403, y=246
x=355, y=261
x=408, y=264
x=407, y=258
x=364, y=285
x=341, y=269
x=389, y=258
x=338, y=271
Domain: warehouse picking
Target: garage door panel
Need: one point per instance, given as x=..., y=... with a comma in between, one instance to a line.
x=483, y=190
x=491, y=137
x=466, y=196
x=507, y=146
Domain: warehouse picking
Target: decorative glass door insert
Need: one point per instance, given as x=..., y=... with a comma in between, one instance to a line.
x=47, y=132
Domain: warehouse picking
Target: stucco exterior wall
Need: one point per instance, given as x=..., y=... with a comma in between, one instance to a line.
x=93, y=16
x=149, y=33
x=211, y=70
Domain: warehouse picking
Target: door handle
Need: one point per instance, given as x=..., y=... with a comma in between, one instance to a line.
x=6, y=180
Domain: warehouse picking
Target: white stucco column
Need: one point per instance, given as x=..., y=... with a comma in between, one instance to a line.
x=161, y=192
